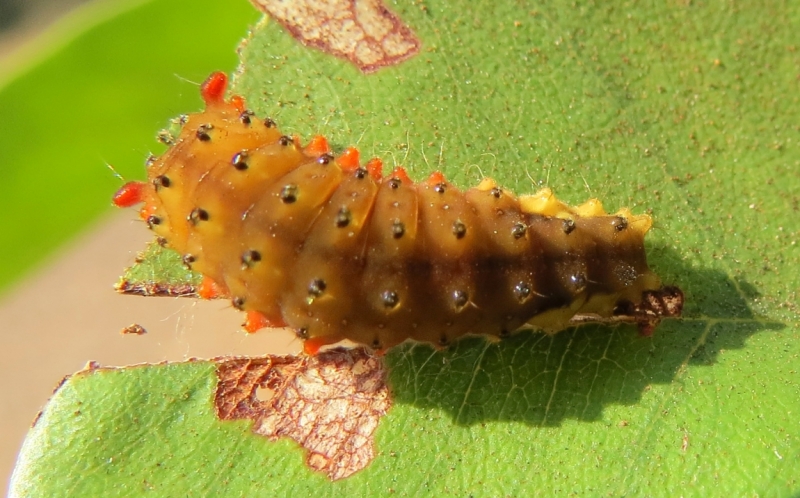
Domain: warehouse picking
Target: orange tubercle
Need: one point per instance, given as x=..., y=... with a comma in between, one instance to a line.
x=238, y=102
x=317, y=146
x=375, y=169
x=213, y=88
x=349, y=160
x=209, y=289
x=436, y=178
x=312, y=346
x=147, y=211
x=129, y=194
x=400, y=173
x=255, y=320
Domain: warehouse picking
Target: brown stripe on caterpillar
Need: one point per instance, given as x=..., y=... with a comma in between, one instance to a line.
x=332, y=248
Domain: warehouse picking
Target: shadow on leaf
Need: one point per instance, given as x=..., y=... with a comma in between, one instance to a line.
x=542, y=380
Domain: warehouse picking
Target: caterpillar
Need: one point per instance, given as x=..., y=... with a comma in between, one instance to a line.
x=336, y=250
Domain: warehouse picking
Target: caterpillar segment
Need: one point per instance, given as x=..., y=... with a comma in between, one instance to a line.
x=336, y=250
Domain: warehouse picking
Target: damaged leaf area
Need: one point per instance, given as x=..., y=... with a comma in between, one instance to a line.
x=364, y=32
x=330, y=404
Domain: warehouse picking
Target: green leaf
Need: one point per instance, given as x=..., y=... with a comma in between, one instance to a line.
x=685, y=110
x=159, y=272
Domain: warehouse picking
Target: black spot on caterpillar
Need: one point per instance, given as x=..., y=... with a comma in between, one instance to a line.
x=337, y=251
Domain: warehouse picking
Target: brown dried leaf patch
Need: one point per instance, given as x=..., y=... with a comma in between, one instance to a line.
x=330, y=404
x=133, y=329
x=364, y=32
x=149, y=289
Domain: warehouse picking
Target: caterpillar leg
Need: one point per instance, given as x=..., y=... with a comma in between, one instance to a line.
x=209, y=289
x=255, y=320
x=312, y=345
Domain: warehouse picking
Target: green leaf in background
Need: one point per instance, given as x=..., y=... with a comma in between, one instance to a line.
x=686, y=110
x=99, y=99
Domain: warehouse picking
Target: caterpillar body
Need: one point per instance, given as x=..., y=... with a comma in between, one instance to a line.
x=336, y=250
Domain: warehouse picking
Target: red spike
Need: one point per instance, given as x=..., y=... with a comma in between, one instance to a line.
x=349, y=160
x=213, y=88
x=317, y=146
x=238, y=103
x=209, y=289
x=436, y=178
x=129, y=194
x=400, y=173
x=255, y=320
x=375, y=168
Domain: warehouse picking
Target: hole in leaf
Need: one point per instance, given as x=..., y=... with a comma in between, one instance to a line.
x=330, y=404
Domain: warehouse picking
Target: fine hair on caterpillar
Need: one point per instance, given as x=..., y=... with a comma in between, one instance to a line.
x=333, y=248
